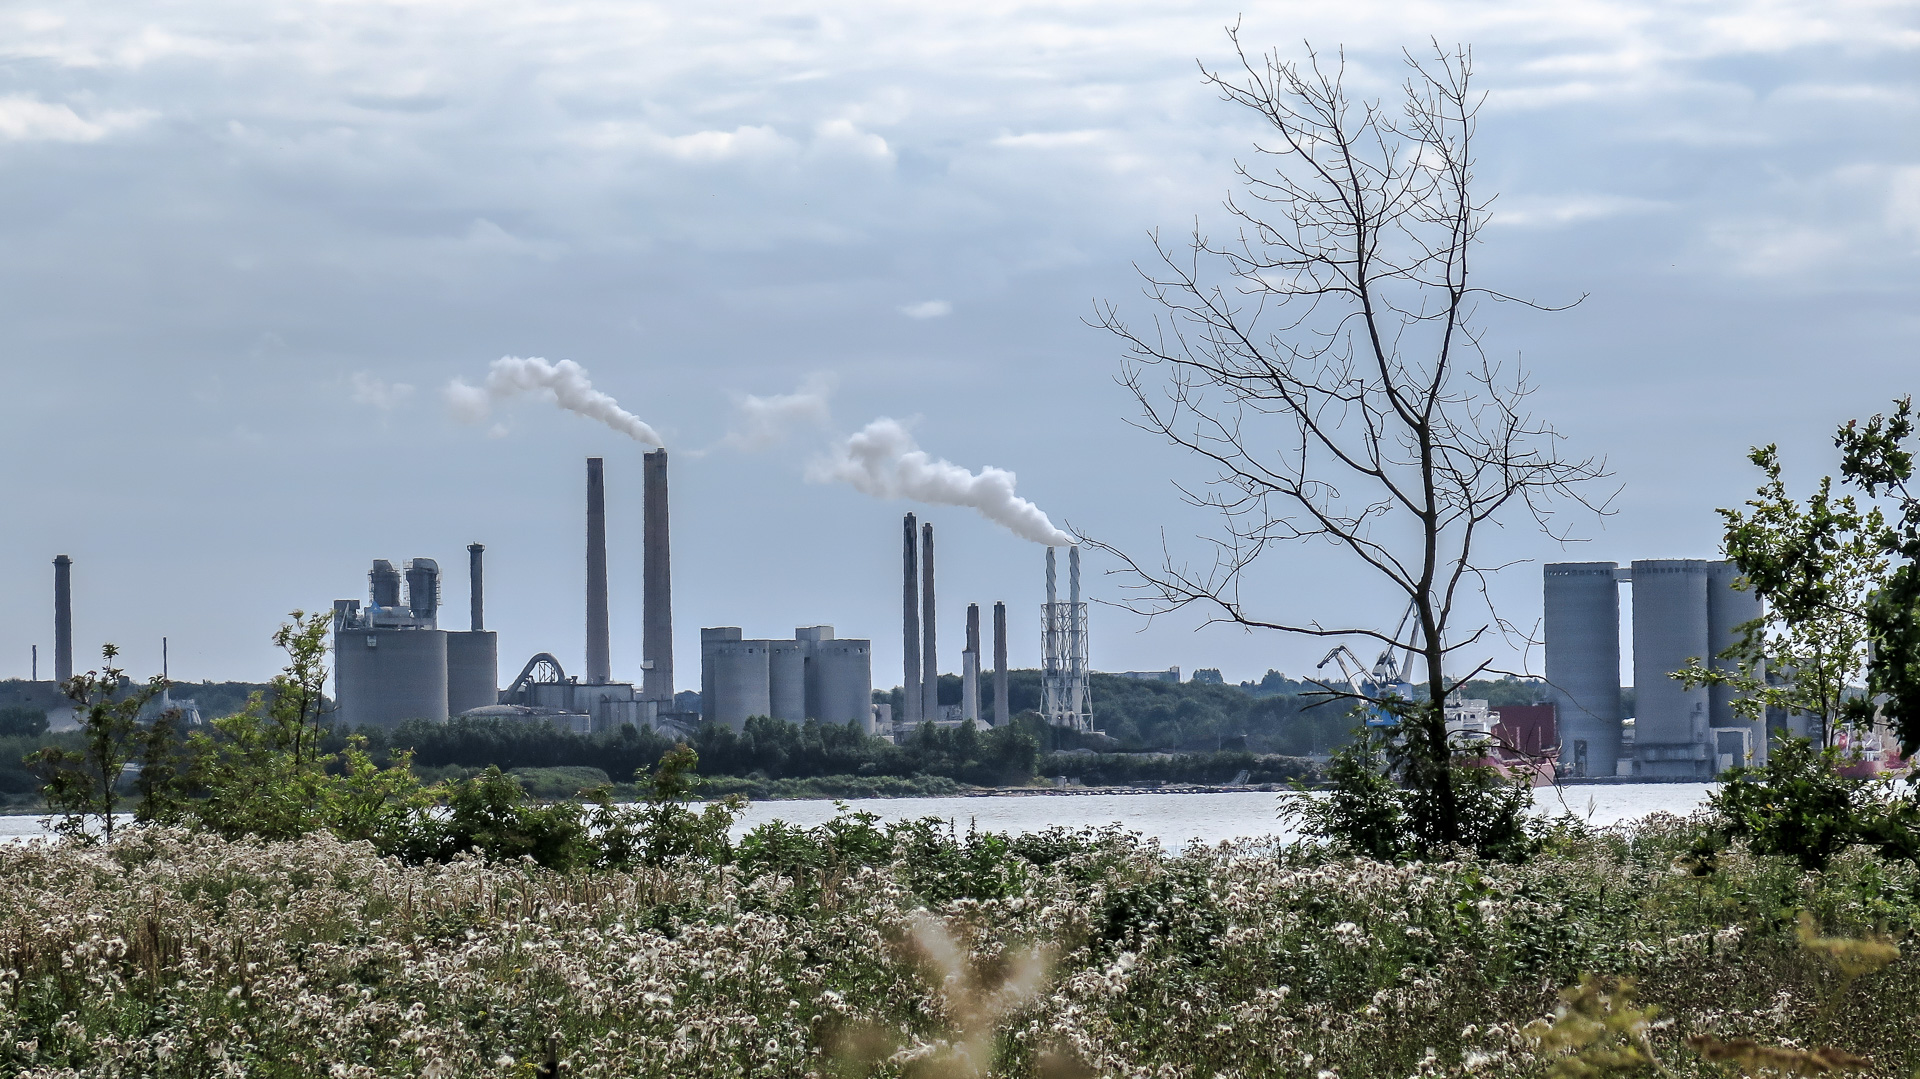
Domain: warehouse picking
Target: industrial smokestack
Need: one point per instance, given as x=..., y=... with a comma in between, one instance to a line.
x=929, y=654
x=599, y=650
x=1001, y=712
x=656, y=641
x=1075, y=648
x=62, y=618
x=910, y=624
x=970, y=667
x=475, y=604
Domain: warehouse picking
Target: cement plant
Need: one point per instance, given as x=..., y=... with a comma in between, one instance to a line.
x=395, y=662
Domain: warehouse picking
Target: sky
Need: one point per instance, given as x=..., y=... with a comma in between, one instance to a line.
x=246, y=248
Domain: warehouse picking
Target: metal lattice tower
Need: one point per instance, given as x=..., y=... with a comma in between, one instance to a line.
x=1064, y=699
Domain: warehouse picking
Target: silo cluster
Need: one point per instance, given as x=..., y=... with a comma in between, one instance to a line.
x=1683, y=610
x=812, y=676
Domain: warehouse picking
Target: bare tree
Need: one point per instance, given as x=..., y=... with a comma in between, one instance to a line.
x=1326, y=363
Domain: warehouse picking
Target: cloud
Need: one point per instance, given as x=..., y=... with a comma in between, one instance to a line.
x=928, y=309
x=762, y=422
x=378, y=393
x=842, y=137
x=1551, y=211
x=25, y=119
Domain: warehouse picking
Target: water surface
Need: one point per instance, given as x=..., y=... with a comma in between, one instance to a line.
x=1174, y=819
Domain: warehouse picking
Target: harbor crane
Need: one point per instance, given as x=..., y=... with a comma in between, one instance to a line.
x=1384, y=682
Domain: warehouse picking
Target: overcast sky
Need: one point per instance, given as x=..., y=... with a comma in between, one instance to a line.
x=245, y=247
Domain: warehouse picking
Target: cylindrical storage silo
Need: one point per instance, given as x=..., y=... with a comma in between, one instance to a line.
x=1670, y=630
x=840, y=681
x=1583, y=663
x=1729, y=608
x=384, y=677
x=787, y=681
x=734, y=680
x=473, y=671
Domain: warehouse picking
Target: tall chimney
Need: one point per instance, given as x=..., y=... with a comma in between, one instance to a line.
x=474, y=600
x=929, y=655
x=62, y=618
x=599, y=651
x=656, y=630
x=910, y=625
x=1075, y=624
x=1001, y=713
x=970, y=667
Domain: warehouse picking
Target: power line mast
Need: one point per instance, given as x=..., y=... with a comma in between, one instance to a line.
x=1064, y=697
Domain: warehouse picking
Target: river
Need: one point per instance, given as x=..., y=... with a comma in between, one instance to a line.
x=1173, y=819
x=1176, y=819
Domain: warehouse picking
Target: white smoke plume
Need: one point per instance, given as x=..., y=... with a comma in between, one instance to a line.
x=564, y=383
x=882, y=460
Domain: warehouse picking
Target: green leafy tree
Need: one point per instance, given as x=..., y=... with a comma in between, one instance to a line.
x=1797, y=804
x=1876, y=457
x=1816, y=565
x=664, y=828
x=1365, y=812
x=261, y=769
x=84, y=784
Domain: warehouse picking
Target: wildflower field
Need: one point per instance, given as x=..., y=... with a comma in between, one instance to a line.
x=857, y=949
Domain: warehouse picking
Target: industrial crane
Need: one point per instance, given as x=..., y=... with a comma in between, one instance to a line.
x=1387, y=679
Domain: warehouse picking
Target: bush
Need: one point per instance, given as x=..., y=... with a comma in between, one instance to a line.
x=1799, y=805
x=1365, y=811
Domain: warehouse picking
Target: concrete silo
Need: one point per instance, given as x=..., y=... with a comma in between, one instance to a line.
x=1727, y=609
x=1670, y=629
x=787, y=681
x=1583, y=663
x=839, y=677
x=473, y=657
x=734, y=680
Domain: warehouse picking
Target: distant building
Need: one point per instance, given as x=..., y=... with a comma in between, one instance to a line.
x=812, y=676
x=1171, y=674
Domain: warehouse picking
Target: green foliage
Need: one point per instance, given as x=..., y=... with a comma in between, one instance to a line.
x=1369, y=810
x=1876, y=459
x=1814, y=566
x=83, y=784
x=22, y=721
x=764, y=749
x=1798, y=805
x=1204, y=768
x=490, y=814
x=664, y=829
x=263, y=771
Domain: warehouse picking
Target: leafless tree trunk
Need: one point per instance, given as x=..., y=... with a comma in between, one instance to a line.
x=1326, y=362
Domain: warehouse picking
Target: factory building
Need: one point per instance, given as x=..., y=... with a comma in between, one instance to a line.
x=390, y=658
x=813, y=676
x=1683, y=609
